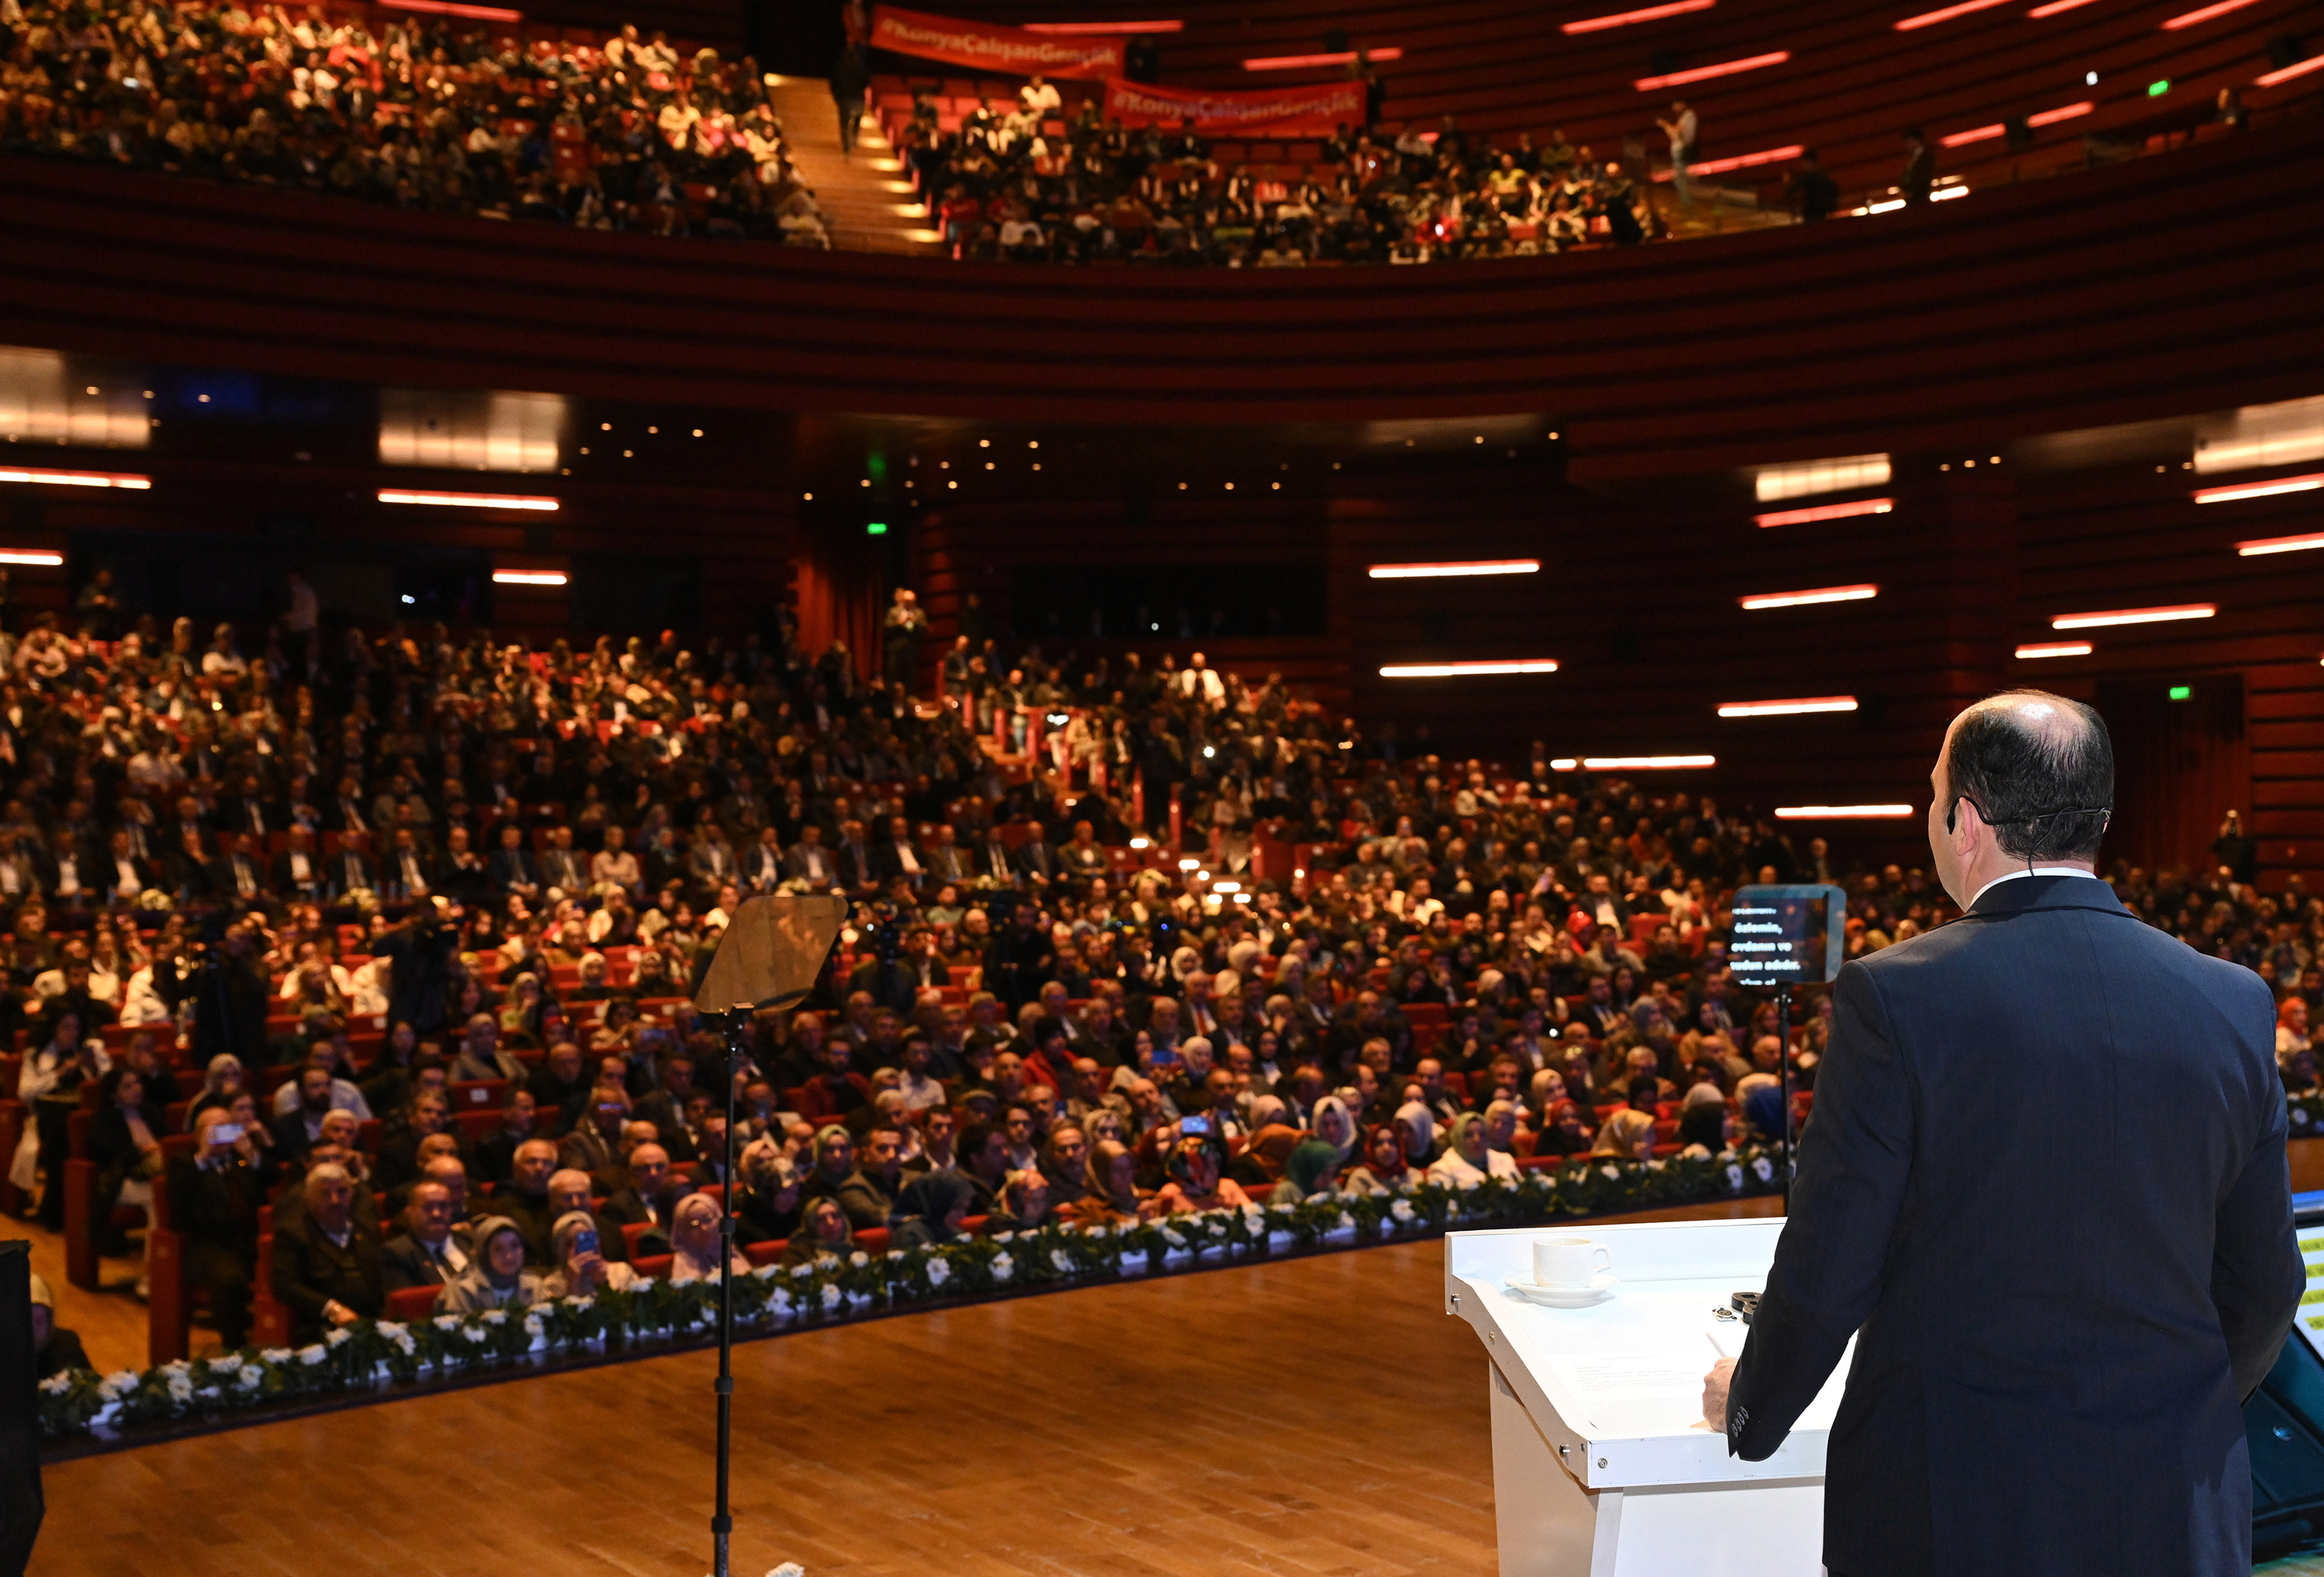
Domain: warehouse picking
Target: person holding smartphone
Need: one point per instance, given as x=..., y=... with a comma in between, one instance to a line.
x=582, y=1269
x=215, y=1194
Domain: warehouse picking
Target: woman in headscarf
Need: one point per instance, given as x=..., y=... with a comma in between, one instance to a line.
x=1564, y=1134
x=496, y=1278
x=581, y=1268
x=1312, y=1169
x=1418, y=1126
x=1259, y=1168
x=1333, y=1124
x=825, y=1230
x=1470, y=1158
x=1195, y=1182
x=1703, y=1128
x=220, y=1085
x=1384, y=1169
x=1629, y=1136
x=1113, y=1193
x=695, y=1240
x=930, y=1210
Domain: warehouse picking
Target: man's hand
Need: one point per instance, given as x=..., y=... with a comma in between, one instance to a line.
x=338, y=1314
x=1714, y=1394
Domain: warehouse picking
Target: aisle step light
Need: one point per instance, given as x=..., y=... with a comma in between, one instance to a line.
x=1456, y=670
x=1801, y=599
x=2134, y=616
x=1787, y=708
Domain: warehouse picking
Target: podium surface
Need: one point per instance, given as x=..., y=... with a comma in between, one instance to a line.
x=1603, y=1466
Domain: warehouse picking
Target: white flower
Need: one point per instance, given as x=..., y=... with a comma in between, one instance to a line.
x=1004, y=1237
x=403, y=1339
x=780, y=1304
x=390, y=1329
x=1734, y=1175
x=1764, y=1168
x=1471, y=1184
x=279, y=1354
x=939, y=1272
x=118, y=1384
x=1003, y=1266
x=494, y=1316
x=1172, y=1236
x=229, y=1364
x=176, y=1366
x=582, y=1303
x=832, y=1295
x=1401, y=1210
x=58, y=1384
x=534, y=1327
x=1610, y=1169
x=447, y=1322
x=251, y=1377
x=1347, y=1221
x=1254, y=1213
x=313, y=1354
x=337, y=1336
x=1062, y=1260
x=895, y=1253
x=859, y=1259
x=643, y=1284
x=766, y=1272
x=476, y=1334
x=2300, y=1117
x=789, y=1569
x=1654, y=1166
x=181, y=1390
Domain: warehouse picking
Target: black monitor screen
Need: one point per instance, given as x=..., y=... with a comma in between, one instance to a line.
x=1786, y=935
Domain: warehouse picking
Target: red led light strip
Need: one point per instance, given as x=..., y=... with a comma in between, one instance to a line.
x=2048, y=117
x=1096, y=29
x=2056, y=6
x=1705, y=73
x=2297, y=68
x=1343, y=57
x=451, y=8
x=2190, y=18
x=1625, y=18
x=1930, y=18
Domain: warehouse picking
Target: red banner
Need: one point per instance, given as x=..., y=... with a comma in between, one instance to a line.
x=989, y=46
x=1283, y=112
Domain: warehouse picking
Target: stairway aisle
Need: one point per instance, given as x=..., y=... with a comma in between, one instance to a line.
x=868, y=196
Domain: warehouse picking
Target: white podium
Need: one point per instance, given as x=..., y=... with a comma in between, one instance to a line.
x=1603, y=1466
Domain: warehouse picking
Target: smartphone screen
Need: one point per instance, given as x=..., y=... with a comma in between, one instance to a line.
x=585, y=1241
x=226, y=1133
x=1194, y=1125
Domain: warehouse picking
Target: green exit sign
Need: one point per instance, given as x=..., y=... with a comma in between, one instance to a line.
x=875, y=529
x=2157, y=89
x=2182, y=692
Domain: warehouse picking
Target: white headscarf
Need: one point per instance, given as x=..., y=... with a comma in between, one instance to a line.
x=1424, y=1129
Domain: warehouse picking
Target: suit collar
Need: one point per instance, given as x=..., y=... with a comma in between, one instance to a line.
x=2046, y=893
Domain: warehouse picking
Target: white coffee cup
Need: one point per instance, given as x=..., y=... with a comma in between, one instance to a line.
x=1569, y=1263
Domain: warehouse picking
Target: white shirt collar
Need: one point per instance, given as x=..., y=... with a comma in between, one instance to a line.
x=2032, y=870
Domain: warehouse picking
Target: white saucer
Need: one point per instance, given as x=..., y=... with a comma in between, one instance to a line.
x=1601, y=1287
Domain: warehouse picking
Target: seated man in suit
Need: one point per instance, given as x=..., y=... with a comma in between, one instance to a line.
x=298, y=871
x=524, y=1197
x=511, y=872
x=432, y=1249
x=347, y=872
x=1037, y=861
x=649, y=1195
x=895, y=858
x=809, y=862
x=481, y=1057
x=325, y=1266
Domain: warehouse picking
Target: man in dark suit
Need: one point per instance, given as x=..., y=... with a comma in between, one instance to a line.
x=325, y=1266
x=896, y=858
x=240, y=874
x=432, y=1251
x=809, y=862
x=347, y=872
x=561, y=867
x=1037, y=858
x=214, y=1199
x=512, y=869
x=298, y=871
x=2044, y=1188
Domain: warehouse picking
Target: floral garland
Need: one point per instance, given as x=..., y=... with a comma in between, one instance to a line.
x=369, y=1353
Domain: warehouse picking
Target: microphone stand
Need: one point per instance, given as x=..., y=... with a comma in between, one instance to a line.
x=722, y=1522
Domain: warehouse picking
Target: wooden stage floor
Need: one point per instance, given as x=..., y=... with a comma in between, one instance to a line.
x=1321, y=1415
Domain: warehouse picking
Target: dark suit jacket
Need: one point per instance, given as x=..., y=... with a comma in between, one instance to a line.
x=308, y=1270
x=404, y=1264
x=2045, y=1186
